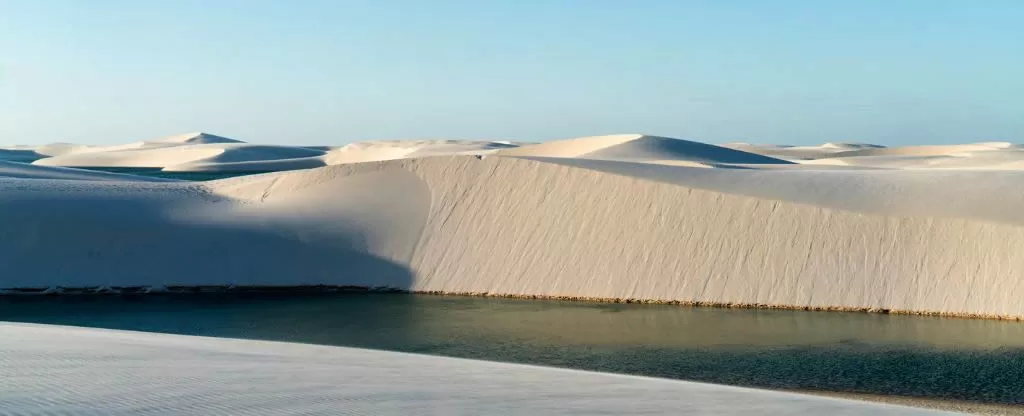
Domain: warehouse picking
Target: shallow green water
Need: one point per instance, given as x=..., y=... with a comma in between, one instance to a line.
x=851, y=352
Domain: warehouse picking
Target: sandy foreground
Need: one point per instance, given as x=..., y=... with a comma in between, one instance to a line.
x=49, y=370
x=627, y=217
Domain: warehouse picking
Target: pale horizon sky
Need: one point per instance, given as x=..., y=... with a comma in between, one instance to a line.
x=308, y=72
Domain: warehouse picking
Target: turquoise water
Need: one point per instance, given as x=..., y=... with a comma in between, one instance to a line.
x=976, y=360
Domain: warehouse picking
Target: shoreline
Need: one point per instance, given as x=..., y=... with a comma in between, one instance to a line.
x=963, y=406
x=146, y=290
x=937, y=403
x=728, y=305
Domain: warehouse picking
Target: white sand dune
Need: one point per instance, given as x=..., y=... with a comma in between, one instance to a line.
x=49, y=370
x=191, y=138
x=262, y=165
x=353, y=153
x=800, y=152
x=28, y=171
x=390, y=150
x=941, y=150
x=61, y=149
x=203, y=152
x=46, y=150
x=183, y=150
x=170, y=156
x=985, y=159
x=640, y=148
x=899, y=240
x=974, y=156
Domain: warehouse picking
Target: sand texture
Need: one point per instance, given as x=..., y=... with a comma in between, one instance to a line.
x=491, y=218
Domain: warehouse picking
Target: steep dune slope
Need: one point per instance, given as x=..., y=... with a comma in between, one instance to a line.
x=581, y=233
x=541, y=227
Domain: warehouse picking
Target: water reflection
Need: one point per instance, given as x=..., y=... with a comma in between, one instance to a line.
x=978, y=360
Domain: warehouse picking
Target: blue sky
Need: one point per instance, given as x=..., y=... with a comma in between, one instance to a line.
x=330, y=72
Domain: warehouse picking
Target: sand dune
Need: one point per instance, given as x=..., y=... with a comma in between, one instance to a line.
x=900, y=240
x=800, y=152
x=192, y=138
x=28, y=171
x=974, y=156
x=47, y=370
x=640, y=148
x=924, y=150
x=46, y=150
x=170, y=156
x=634, y=217
x=203, y=152
x=353, y=153
x=984, y=159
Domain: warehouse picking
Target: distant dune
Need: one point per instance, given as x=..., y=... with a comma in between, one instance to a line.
x=28, y=171
x=54, y=370
x=640, y=148
x=203, y=152
x=607, y=218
